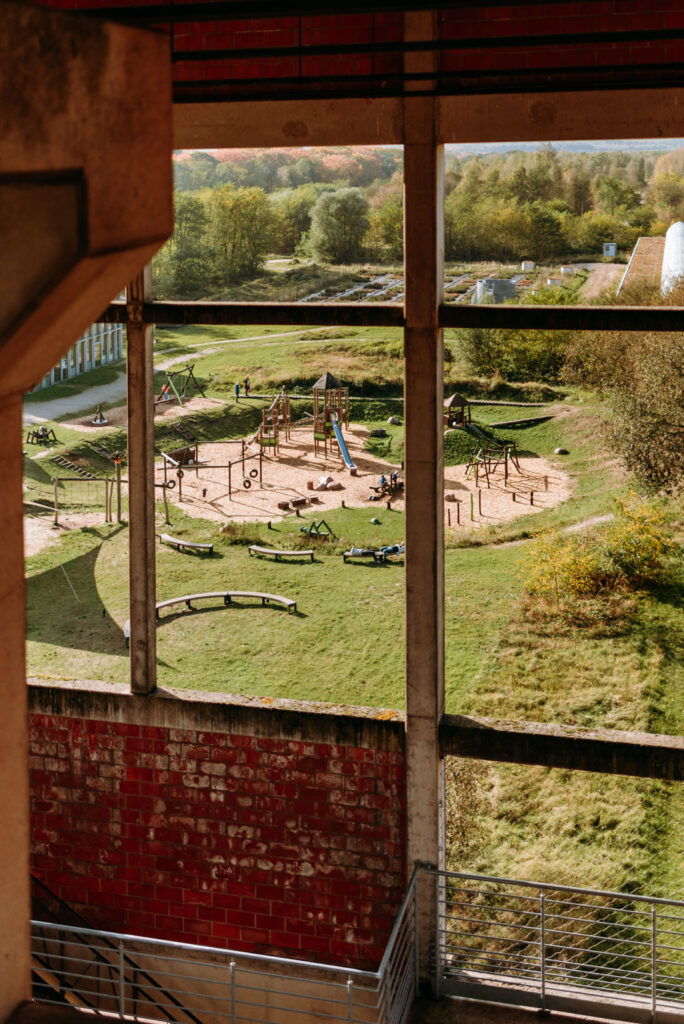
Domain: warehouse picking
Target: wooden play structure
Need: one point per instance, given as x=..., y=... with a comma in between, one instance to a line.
x=456, y=411
x=489, y=456
x=175, y=387
x=41, y=435
x=331, y=404
x=179, y=461
x=274, y=421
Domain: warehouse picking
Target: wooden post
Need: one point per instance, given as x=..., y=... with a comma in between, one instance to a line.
x=55, y=483
x=230, y=488
x=423, y=396
x=513, y=495
x=472, y=509
x=458, y=512
x=179, y=478
x=142, y=554
x=531, y=497
x=479, y=502
x=449, y=516
x=118, y=489
x=261, y=467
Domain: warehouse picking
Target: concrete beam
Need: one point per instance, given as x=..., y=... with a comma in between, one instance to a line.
x=608, y=751
x=516, y=117
x=15, y=975
x=86, y=113
x=142, y=551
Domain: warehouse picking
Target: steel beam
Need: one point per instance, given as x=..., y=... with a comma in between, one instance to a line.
x=316, y=314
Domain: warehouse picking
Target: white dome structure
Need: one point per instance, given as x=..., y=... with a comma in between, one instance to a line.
x=673, y=258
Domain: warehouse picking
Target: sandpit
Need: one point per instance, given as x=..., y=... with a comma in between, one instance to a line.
x=536, y=486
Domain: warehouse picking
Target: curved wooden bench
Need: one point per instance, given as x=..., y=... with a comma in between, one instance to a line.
x=277, y=553
x=227, y=597
x=178, y=542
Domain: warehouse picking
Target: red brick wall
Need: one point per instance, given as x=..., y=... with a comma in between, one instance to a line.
x=274, y=845
x=478, y=21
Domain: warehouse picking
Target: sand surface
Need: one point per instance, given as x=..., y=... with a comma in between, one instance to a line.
x=40, y=531
x=536, y=485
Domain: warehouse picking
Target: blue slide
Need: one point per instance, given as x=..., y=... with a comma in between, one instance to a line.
x=351, y=465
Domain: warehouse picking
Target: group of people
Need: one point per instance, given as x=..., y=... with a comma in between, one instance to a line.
x=390, y=485
x=247, y=387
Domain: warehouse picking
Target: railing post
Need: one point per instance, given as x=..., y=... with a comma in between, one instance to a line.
x=233, y=1016
x=437, y=980
x=416, y=930
x=122, y=981
x=654, y=965
x=542, y=901
x=350, y=1001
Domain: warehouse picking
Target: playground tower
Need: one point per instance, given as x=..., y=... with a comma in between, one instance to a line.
x=331, y=401
x=274, y=420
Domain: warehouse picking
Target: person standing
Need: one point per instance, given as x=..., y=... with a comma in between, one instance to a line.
x=237, y=391
x=247, y=386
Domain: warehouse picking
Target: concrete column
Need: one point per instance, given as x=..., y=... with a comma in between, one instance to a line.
x=141, y=535
x=424, y=356
x=15, y=974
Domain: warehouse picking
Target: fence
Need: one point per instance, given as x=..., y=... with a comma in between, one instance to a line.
x=615, y=955
x=130, y=977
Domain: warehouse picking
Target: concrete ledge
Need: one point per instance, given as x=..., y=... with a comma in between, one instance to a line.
x=608, y=751
x=381, y=729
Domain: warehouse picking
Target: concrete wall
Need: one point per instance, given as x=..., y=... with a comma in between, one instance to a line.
x=271, y=829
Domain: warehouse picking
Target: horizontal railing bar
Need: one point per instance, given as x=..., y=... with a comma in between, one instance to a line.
x=549, y=887
x=224, y=954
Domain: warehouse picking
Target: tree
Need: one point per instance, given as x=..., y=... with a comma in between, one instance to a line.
x=339, y=220
x=182, y=267
x=240, y=231
x=613, y=194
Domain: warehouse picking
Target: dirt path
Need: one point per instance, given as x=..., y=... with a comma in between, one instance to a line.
x=602, y=277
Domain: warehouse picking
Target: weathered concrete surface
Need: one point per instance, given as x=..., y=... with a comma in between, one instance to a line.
x=88, y=105
x=14, y=797
x=220, y=712
x=609, y=751
x=463, y=1011
x=142, y=554
x=85, y=199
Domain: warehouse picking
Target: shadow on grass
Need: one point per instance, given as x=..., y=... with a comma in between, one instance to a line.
x=65, y=608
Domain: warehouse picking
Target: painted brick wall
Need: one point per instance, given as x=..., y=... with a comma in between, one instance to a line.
x=250, y=842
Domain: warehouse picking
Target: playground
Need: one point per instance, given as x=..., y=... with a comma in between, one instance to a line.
x=280, y=483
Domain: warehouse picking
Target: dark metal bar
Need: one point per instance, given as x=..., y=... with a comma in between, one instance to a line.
x=564, y=318
x=240, y=10
x=376, y=314
x=608, y=751
x=385, y=314
x=400, y=46
x=607, y=78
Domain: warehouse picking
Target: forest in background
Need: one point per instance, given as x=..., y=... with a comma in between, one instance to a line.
x=345, y=205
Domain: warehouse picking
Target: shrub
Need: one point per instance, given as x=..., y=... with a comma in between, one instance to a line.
x=635, y=549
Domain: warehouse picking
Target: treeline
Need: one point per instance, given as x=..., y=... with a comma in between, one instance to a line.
x=343, y=206
x=271, y=169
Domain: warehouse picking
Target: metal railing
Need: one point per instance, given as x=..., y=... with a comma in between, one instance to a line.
x=131, y=978
x=555, y=947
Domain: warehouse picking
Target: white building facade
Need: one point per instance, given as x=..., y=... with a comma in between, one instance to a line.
x=100, y=345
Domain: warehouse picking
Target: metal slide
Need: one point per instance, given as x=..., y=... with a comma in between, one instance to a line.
x=351, y=465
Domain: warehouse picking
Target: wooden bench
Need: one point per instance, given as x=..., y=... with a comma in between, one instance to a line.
x=178, y=542
x=277, y=553
x=227, y=597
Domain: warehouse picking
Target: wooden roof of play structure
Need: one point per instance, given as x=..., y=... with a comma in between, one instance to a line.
x=326, y=381
x=455, y=401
